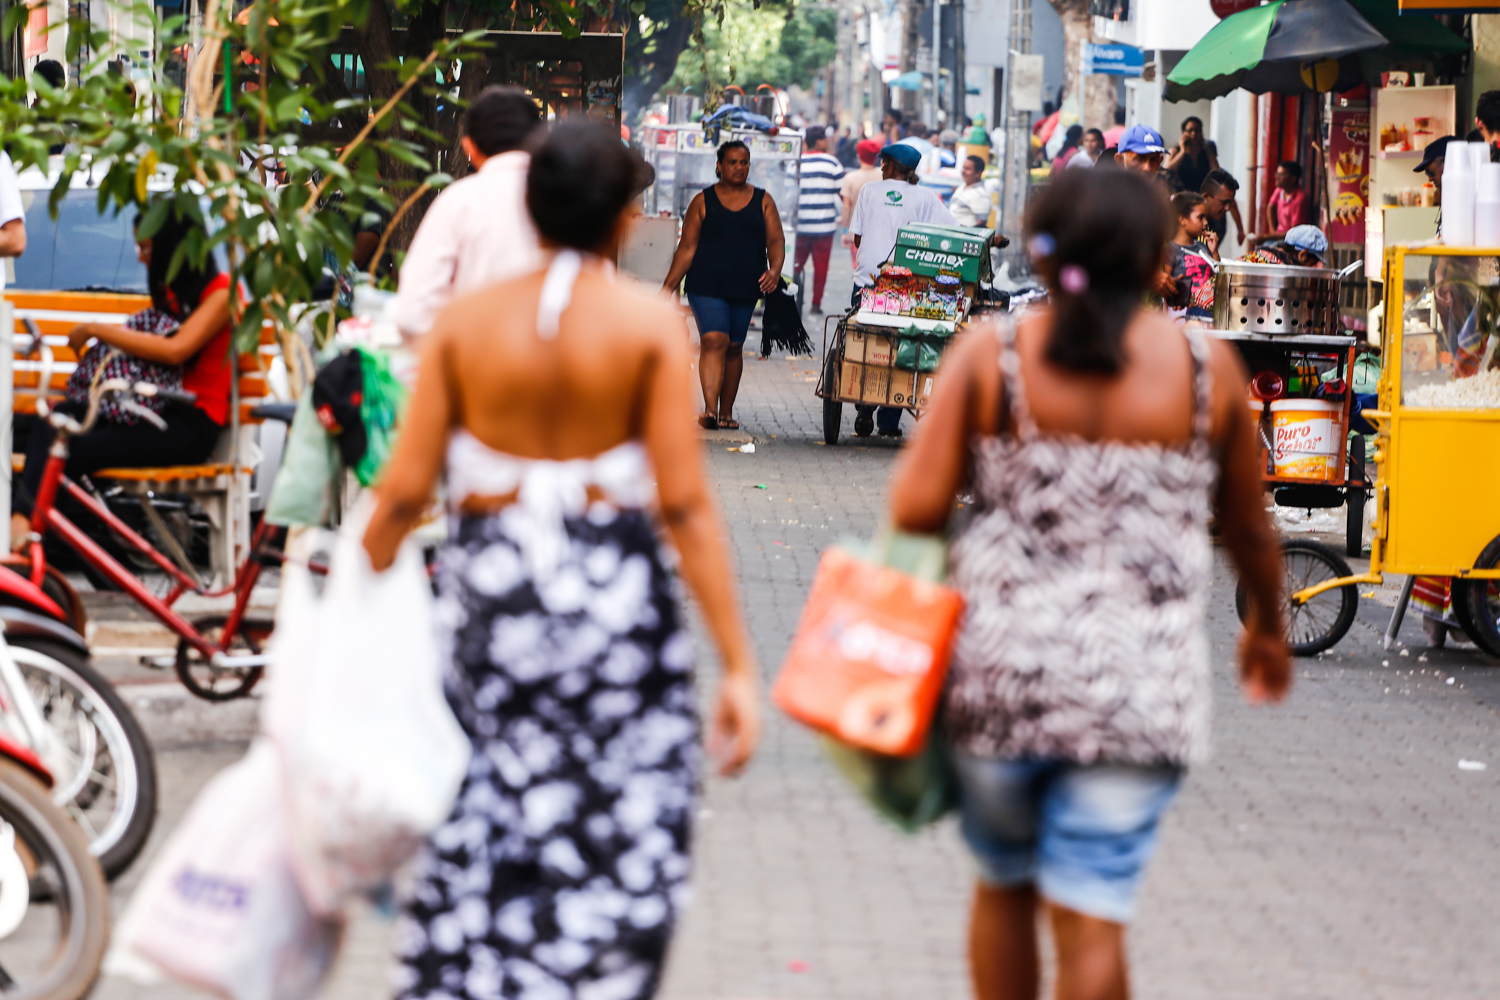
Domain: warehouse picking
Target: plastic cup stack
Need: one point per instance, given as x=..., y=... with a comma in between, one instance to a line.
x=1459, y=188
x=1487, y=206
x=1480, y=153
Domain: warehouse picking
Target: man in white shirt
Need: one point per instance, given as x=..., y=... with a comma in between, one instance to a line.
x=478, y=231
x=1088, y=151
x=12, y=214
x=971, y=202
x=885, y=206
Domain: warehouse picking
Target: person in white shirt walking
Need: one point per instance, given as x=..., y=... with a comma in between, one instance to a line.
x=12, y=214
x=817, y=210
x=885, y=206
x=971, y=202
x=477, y=232
x=1088, y=150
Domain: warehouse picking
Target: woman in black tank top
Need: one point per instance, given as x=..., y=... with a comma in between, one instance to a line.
x=738, y=231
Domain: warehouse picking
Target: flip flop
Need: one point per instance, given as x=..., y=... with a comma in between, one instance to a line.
x=708, y=421
x=729, y=424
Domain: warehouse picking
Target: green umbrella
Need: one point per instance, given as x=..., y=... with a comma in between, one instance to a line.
x=1284, y=46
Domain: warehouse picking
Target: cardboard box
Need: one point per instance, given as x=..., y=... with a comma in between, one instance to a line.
x=866, y=383
x=964, y=241
x=926, y=384
x=867, y=346
x=903, y=387
x=929, y=263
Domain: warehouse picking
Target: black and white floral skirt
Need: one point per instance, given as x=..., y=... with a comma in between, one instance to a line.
x=564, y=865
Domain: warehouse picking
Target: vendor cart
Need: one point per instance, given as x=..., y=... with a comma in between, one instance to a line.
x=1319, y=368
x=885, y=350
x=1437, y=484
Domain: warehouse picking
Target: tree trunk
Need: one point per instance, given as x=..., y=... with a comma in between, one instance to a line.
x=1096, y=103
x=647, y=72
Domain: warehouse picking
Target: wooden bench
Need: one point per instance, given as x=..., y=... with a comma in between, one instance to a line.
x=221, y=486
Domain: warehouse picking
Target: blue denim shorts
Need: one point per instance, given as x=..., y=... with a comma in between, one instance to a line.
x=722, y=315
x=1082, y=834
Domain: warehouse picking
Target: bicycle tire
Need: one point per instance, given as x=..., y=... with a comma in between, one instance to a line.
x=1483, y=602
x=242, y=680
x=55, y=846
x=131, y=762
x=1323, y=621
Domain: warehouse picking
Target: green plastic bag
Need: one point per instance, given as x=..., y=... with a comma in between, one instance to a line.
x=914, y=355
x=303, y=491
x=911, y=792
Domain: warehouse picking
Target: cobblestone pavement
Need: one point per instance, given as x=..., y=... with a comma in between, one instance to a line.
x=1331, y=849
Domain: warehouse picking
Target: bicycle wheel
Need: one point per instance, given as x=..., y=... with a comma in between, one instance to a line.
x=54, y=911
x=1483, y=602
x=213, y=683
x=1324, y=620
x=101, y=761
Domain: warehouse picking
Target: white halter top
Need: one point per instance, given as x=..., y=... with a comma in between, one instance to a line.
x=548, y=490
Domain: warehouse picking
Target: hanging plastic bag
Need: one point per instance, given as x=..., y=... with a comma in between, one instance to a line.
x=303, y=491
x=868, y=660
x=373, y=756
x=220, y=909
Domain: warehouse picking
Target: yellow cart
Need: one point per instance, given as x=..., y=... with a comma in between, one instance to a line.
x=1437, y=453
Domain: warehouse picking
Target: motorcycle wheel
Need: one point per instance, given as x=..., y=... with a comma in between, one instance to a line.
x=57, y=934
x=101, y=762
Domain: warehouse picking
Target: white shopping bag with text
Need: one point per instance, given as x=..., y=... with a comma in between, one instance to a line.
x=219, y=908
x=372, y=754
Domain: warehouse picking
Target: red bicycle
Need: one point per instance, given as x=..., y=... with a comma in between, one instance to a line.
x=219, y=657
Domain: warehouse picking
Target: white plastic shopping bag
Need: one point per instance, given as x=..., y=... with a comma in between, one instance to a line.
x=373, y=757
x=219, y=908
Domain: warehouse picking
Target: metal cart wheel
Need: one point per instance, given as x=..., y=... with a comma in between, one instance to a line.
x=1323, y=621
x=1483, y=602
x=833, y=410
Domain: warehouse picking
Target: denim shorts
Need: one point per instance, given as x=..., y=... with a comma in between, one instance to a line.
x=723, y=316
x=1082, y=834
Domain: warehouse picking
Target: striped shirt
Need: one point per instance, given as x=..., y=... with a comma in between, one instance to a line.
x=818, y=205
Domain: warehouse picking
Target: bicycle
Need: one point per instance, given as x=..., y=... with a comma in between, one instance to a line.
x=218, y=657
x=54, y=905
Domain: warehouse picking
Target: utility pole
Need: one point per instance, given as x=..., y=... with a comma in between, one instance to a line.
x=1017, y=173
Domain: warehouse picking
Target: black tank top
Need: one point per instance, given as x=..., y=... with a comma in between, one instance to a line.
x=731, y=253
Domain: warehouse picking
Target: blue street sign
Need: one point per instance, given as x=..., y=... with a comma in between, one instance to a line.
x=1112, y=60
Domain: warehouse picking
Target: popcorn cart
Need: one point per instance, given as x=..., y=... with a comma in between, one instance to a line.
x=885, y=351
x=1437, y=455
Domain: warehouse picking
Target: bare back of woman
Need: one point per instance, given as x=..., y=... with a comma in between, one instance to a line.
x=558, y=405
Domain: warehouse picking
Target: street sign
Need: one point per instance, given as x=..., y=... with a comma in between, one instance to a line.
x=1111, y=60
x=1026, y=81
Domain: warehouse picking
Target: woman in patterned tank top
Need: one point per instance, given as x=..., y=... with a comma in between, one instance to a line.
x=1096, y=438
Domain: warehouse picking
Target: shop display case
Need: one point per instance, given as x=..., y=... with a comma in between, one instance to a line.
x=1403, y=207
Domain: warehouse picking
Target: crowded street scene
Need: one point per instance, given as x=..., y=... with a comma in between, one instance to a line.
x=822, y=500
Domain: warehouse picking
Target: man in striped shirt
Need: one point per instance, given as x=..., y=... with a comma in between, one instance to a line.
x=817, y=210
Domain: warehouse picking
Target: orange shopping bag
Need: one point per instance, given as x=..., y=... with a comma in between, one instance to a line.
x=868, y=660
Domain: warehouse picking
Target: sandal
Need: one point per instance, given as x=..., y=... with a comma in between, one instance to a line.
x=729, y=424
x=708, y=421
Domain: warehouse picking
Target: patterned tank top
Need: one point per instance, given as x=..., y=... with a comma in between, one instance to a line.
x=1085, y=567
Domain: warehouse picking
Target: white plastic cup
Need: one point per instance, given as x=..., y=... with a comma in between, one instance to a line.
x=1487, y=221
x=1488, y=186
x=1458, y=210
x=1479, y=153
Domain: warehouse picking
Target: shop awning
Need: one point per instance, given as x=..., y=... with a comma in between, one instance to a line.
x=1274, y=49
x=1263, y=49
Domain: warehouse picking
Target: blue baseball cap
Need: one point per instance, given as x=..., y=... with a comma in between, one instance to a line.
x=904, y=155
x=1142, y=139
x=1309, y=238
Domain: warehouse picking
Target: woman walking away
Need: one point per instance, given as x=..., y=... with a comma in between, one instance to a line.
x=556, y=407
x=738, y=230
x=1097, y=436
